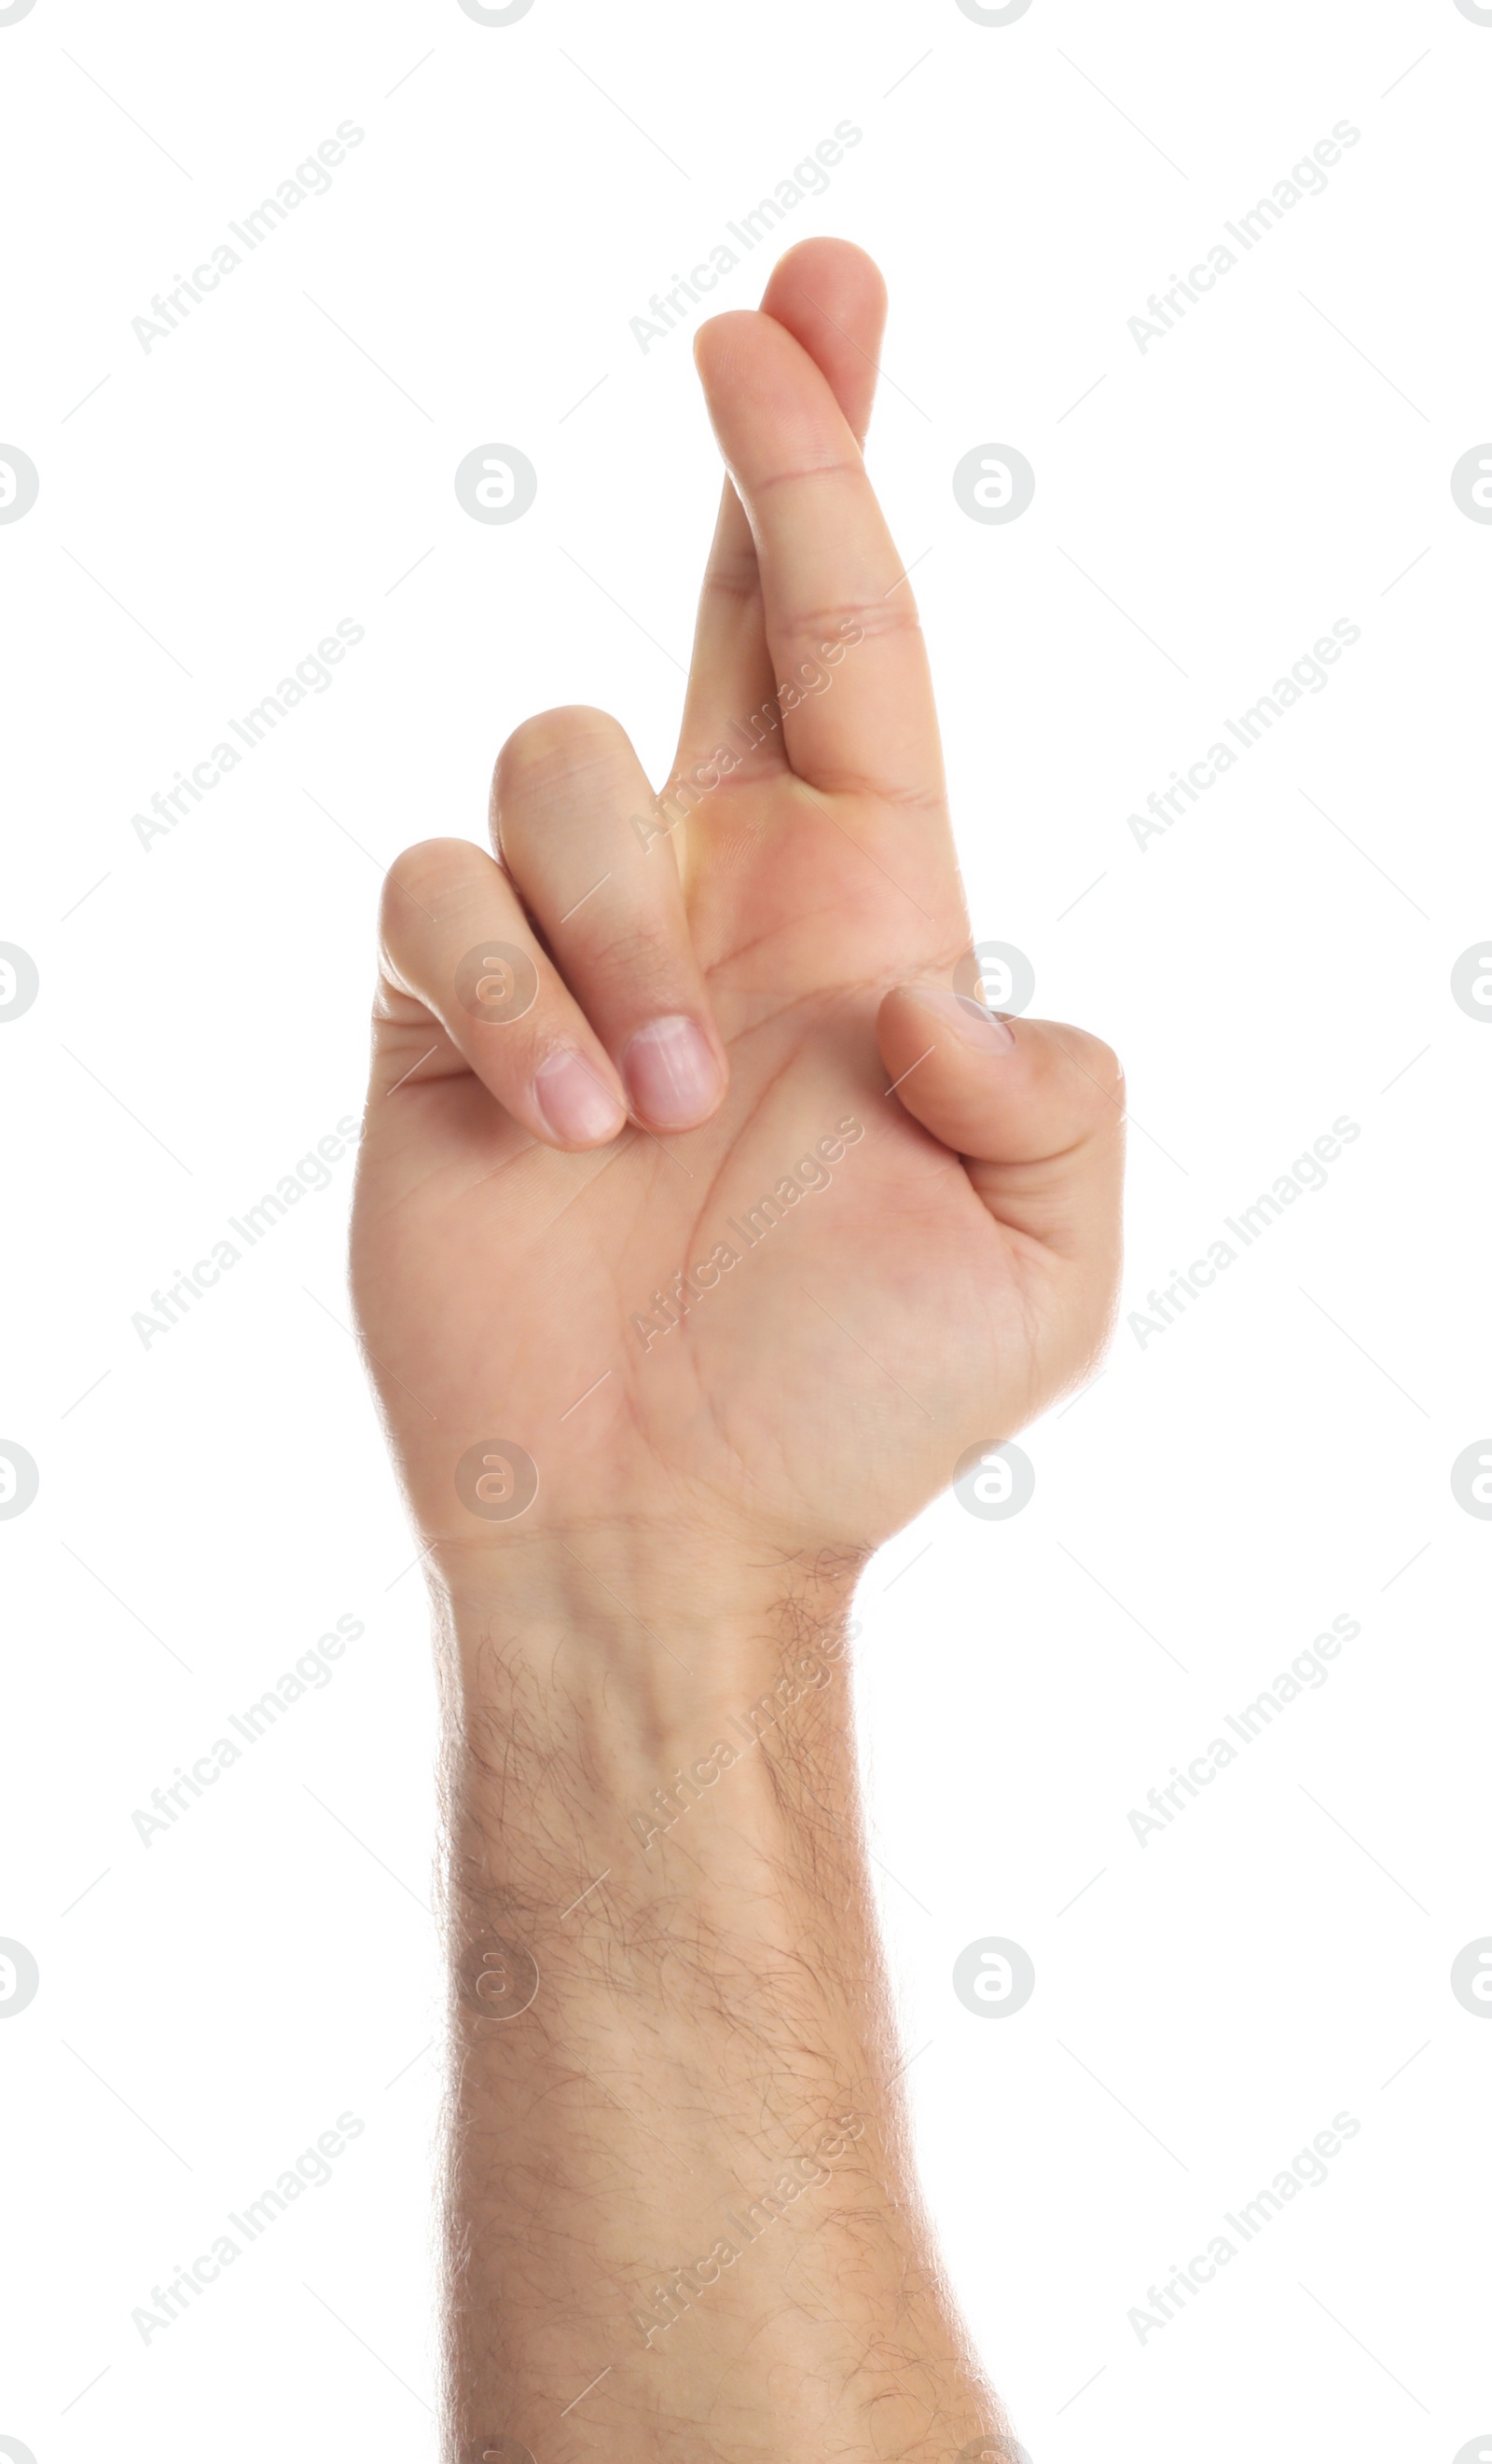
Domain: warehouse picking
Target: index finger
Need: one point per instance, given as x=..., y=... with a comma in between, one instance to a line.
x=841, y=622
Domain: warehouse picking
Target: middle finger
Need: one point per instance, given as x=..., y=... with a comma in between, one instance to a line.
x=831, y=297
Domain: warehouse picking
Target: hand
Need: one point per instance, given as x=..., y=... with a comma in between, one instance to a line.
x=740, y=1229
x=751, y=1003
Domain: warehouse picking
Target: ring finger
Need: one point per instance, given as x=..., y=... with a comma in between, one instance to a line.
x=456, y=937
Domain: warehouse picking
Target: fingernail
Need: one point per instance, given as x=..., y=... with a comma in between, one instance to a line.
x=576, y=1103
x=971, y=1022
x=672, y=1075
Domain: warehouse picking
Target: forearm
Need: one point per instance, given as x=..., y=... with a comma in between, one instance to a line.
x=683, y=2221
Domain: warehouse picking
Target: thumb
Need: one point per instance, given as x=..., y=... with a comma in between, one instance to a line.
x=1036, y=1112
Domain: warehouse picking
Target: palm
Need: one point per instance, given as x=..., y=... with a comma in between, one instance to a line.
x=817, y=1385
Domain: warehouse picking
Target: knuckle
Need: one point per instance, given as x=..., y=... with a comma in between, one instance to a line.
x=638, y=953
x=1100, y=1065
x=422, y=880
x=1105, y=1062
x=871, y=619
x=556, y=774
x=1086, y=1069
x=733, y=577
x=555, y=744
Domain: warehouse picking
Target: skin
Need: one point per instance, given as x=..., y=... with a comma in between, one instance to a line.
x=707, y=1494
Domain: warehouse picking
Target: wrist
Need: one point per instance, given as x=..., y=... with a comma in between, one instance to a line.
x=614, y=1767
x=645, y=1638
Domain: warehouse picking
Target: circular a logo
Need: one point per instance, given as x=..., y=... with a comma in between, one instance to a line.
x=994, y=1480
x=497, y=2450
x=990, y=12
x=997, y=976
x=496, y=1479
x=19, y=478
x=19, y=1978
x=990, y=2451
x=11, y=14
x=485, y=14
x=1471, y=480
x=499, y=1980
x=1471, y=1982
x=995, y=483
x=995, y=1978
x=19, y=982
x=496, y=982
x=10, y=2449
x=19, y=1479
x=1471, y=1479
x=1480, y=2451
x=1471, y=981
x=496, y=483
x=1480, y=15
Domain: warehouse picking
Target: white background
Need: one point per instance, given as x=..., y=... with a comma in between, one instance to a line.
x=1281, y=1456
